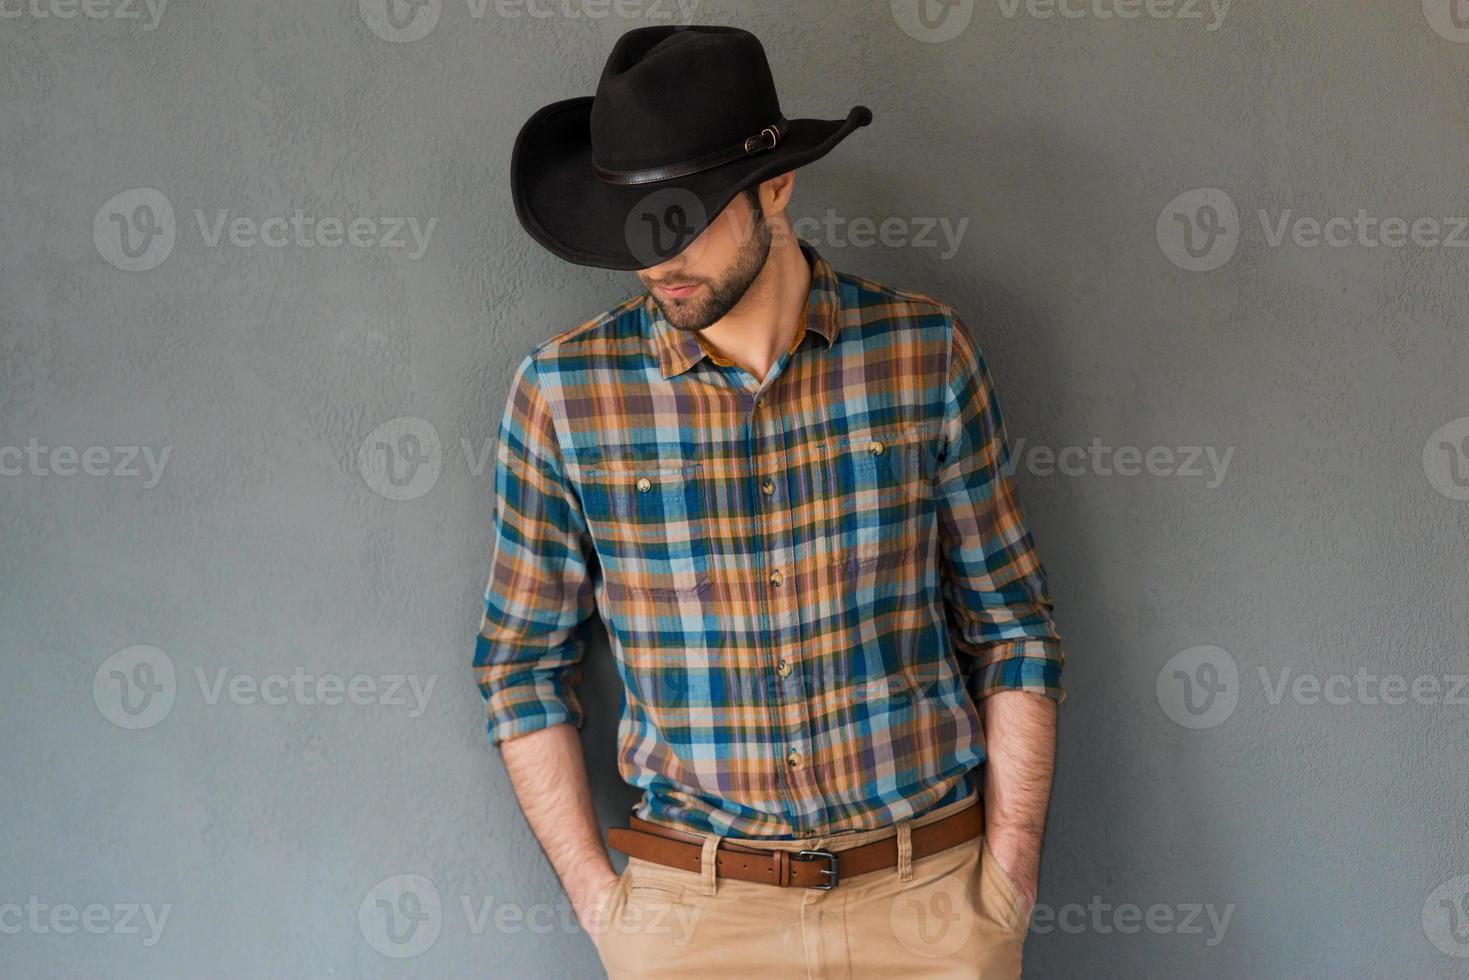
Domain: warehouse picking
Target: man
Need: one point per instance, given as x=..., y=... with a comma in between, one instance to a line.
x=786, y=491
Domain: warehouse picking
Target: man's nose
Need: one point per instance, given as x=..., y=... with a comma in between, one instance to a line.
x=664, y=270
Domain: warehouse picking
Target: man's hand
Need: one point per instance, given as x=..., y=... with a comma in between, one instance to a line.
x=591, y=905
x=1021, y=865
x=550, y=779
x=1020, y=742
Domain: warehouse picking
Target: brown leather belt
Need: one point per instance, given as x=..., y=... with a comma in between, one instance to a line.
x=817, y=868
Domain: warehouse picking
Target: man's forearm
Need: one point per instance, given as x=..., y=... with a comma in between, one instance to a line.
x=1020, y=745
x=549, y=774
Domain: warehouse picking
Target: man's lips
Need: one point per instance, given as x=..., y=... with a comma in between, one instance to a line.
x=676, y=292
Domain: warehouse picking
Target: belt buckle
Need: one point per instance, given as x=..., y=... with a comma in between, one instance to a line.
x=830, y=870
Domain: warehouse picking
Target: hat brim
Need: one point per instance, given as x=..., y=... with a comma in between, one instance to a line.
x=566, y=207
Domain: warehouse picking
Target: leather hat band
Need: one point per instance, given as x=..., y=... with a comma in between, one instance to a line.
x=767, y=139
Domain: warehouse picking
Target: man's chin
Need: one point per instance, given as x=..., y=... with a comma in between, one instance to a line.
x=684, y=315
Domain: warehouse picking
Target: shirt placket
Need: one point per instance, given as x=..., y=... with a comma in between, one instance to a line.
x=784, y=673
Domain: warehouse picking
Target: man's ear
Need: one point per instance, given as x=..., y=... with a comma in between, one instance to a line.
x=775, y=193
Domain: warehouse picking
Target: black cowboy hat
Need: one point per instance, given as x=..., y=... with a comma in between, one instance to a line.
x=684, y=119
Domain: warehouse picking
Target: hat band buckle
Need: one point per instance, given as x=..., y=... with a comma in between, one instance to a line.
x=766, y=139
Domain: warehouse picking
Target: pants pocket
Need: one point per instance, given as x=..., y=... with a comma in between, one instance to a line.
x=608, y=919
x=652, y=929
x=999, y=896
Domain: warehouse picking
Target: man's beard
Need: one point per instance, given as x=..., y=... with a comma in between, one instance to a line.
x=723, y=294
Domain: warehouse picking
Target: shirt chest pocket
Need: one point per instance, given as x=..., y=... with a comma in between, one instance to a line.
x=650, y=526
x=878, y=487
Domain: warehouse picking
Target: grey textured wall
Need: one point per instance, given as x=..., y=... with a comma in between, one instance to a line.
x=235, y=694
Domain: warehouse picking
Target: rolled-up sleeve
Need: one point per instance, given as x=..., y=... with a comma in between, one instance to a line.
x=997, y=601
x=528, y=654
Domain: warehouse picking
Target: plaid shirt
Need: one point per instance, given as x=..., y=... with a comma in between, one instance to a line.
x=807, y=582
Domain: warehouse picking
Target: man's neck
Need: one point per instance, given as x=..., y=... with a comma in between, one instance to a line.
x=764, y=322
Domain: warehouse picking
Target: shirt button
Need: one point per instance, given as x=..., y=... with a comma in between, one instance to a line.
x=793, y=759
x=875, y=447
x=783, y=668
x=776, y=578
x=644, y=484
x=768, y=486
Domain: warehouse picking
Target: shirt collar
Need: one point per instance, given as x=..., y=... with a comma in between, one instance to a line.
x=679, y=350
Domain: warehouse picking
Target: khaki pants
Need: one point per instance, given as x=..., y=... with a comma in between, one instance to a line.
x=950, y=914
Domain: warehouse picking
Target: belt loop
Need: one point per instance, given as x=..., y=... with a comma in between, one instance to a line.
x=905, y=851
x=709, y=863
